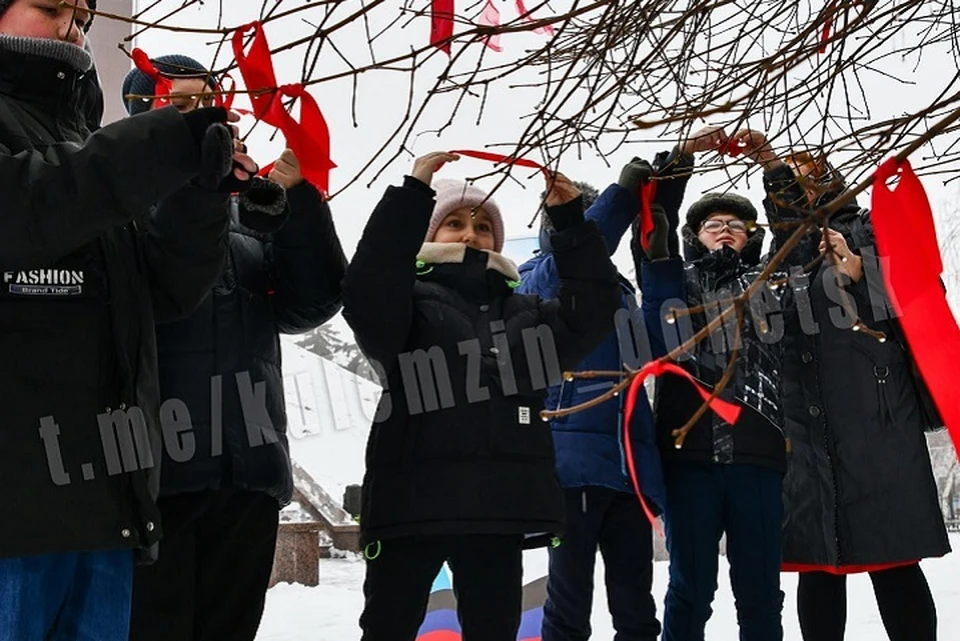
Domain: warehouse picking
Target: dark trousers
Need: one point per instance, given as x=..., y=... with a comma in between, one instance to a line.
x=703, y=502
x=614, y=523
x=211, y=578
x=487, y=581
x=903, y=596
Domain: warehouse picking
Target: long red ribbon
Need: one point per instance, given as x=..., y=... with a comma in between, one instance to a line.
x=500, y=158
x=308, y=138
x=730, y=412
x=912, y=277
x=441, y=24
x=648, y=191
x=163, y=86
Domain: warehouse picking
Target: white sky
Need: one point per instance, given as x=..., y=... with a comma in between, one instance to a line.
x=382, y=96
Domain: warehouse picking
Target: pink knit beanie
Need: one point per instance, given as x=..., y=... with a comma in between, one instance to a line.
x=454, y=194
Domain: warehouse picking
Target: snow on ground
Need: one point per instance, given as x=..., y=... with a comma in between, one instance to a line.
x=330, y=410
x=329, y=612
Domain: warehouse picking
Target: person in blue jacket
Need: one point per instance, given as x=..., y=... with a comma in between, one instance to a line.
x=602, y=512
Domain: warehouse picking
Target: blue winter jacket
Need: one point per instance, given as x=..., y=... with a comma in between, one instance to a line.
x=589, y=444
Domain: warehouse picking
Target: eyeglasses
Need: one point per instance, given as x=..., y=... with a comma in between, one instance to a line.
x=716, y=226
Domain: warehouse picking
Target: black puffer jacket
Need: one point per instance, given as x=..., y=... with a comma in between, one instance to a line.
x=859, y=490
x=469, y=454
x=288, y=282
x=81, y=291
x=714, y=279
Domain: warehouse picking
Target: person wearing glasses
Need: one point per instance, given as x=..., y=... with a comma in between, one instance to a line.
x=720, y=477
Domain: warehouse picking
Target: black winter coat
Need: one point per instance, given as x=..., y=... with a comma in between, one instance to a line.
x=284, y=282
x=859, y=489
x=469, y=454
x=82, y=288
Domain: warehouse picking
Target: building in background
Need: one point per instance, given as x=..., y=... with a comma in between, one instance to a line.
x=112, y=63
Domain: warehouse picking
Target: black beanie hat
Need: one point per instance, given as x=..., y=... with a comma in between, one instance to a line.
x=6, y=4
x=715, y=203
x=138, y=83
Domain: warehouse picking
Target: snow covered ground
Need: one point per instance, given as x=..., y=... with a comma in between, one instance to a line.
x=330, y=411
x=329, y=612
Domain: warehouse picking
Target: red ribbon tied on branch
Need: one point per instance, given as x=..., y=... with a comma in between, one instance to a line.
x=647, y=193
x=441, y=23
x=163, y=86
x=912, y=278
x=500, y=158
x=730, y=412
x=308, y=138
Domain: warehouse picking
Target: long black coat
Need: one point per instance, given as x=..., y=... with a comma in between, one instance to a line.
x=84, y=346
x=859, y=488
x=284, y=282
x=469, y=454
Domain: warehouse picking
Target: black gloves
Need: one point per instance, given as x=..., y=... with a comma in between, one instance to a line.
x=658, y=248
x=216, y=143
x=566, y=215
x=634, y=173
x=263, y=207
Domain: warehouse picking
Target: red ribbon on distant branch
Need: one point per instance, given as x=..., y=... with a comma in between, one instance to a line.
x=308, y=138
x=827, y=26
x=522, y=10
x=163, y=86
x=730, y=412
x=906, y=237
x=442, y=15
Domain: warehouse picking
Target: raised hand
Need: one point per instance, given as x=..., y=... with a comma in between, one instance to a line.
x=634, y=173
x=560, y=190
x=658, y=247
x=840, y=256
x=426, y=166
x=706, y=139
x=755, y=147
x=286, y=171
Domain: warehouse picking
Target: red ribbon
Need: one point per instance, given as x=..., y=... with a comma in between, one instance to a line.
x=912, y=278
x=163, y=86
x=732, y=148
x=500, y=158
x=522, y=10
x=441, y=24
x=648, y=191
x=827, y=26
x=491, y=18
x=730, y=412
x=309, y=139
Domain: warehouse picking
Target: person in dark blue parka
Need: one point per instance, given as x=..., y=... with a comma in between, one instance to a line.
x=602, y=512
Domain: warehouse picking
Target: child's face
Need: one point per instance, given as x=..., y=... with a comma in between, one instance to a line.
x=723, y=230
x=190, y=88
x=463, y=225
x=46, y=19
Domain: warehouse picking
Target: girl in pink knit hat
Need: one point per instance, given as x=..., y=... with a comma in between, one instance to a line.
x=460, y=466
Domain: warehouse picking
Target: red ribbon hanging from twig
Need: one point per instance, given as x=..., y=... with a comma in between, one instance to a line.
x=522, y=10
x=163, y=86
x=730, y=412
x=648, y=191
x=308, y=138
x=441, y=24
x=912, y=277
x=500, y=158
x=827, y=26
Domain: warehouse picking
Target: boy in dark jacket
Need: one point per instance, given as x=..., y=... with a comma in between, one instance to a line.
x=220, y=495
x=602, y=511
x=719, y=477
x=82, y=287
x=460, y=467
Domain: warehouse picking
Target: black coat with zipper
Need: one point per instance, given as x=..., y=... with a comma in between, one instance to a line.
x=469, y=455
x=287, y=282
x=859, y=489
x=75, y=352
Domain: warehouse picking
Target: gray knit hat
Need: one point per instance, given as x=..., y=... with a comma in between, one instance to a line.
x=716, y=203
x=6, y=4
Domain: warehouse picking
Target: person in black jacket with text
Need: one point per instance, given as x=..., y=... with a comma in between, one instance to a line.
x=460, y=466
x=226, y=477
x=101, y=235
x=860, y=494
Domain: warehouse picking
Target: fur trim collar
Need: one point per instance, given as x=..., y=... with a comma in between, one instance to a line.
x=441, y=253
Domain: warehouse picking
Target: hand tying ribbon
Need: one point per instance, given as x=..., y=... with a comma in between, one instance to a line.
x=730, y=412
x=309, y=139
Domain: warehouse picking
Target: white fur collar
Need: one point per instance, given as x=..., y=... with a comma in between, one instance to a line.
x=440, y=253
